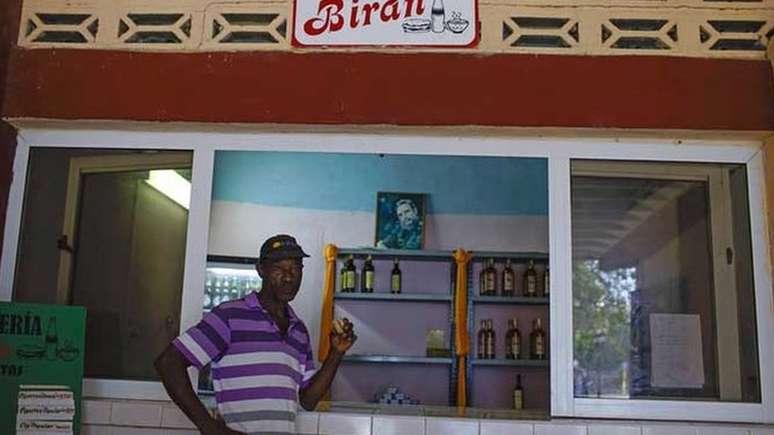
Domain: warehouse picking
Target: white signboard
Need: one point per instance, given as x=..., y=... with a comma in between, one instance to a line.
x=430, y=23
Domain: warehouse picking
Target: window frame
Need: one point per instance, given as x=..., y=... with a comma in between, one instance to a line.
x=559, y=151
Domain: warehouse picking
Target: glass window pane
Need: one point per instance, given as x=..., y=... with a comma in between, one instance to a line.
x=663, y=297
x=111, y=239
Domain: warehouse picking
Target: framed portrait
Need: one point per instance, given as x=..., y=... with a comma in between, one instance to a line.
x=400, y=220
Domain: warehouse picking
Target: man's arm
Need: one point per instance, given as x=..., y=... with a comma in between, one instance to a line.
x=172, y=366
x=321, y=381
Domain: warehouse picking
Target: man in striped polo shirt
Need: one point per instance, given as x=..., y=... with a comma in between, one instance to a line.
x=260, y=354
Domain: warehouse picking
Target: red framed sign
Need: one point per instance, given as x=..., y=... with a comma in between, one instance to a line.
x=422, y=23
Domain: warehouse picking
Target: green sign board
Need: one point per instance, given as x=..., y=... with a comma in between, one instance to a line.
x=41, y=368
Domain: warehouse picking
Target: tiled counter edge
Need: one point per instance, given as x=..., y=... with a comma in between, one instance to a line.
x=139, y=417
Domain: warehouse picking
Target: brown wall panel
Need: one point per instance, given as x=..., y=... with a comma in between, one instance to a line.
x=399, y=89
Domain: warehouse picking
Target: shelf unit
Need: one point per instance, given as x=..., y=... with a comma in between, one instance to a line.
x=389, y=297
x=478, y=302
x=406, y=297
x=510, y=362
x=475, y=302
x=391, y=359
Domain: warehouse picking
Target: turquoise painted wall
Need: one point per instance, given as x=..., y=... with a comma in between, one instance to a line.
x=349, y=182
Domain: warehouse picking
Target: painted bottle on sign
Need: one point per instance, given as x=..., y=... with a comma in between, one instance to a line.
x=52, y=340
x=438, y=17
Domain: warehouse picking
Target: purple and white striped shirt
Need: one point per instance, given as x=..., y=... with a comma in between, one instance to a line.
x=257, y=373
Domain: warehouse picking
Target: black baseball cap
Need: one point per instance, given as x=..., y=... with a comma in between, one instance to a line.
x=281, y=246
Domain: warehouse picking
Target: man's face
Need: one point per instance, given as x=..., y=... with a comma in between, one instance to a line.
x=406, y=216
x=283, y=277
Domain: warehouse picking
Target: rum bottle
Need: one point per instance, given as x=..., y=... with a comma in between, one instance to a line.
x=483, y=336
x=537, y=340
x=395, y=278
x=488, y=279
x=518, y=394
x=509, y=280
x=367, y=276
x=490, y=342
x=546, y=283
x=348, y=275
x=530, y=280
x=513, y=340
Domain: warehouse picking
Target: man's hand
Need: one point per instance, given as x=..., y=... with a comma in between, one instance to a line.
x=218, y=427
x=342, y=336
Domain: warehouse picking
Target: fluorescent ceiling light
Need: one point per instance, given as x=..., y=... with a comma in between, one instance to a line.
x=171, y=184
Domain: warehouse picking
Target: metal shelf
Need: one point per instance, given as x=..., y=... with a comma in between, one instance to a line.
x=510, y=362
x=403, y=254
x=380, y=359
x=509, y=300
x=539, y=257
x=390, y=297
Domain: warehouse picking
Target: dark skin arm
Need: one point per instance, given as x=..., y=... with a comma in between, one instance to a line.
x=321, y=381
x=172, y=366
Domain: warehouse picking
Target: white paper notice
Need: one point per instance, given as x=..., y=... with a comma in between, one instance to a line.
x=676, y=353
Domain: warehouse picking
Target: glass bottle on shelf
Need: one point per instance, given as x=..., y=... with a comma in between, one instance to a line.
x=396, y=279
x=518, y=394
x=216, y=291
x=491, y=279
x=490, y=343
x=546, y=283
x=367, y=276
x=509, y=280
x=348, y=275
x=530, y=280
x=207, y=298
x=488, y=279
x=235, y=284
x=513, y=340
x=537, y=340
x=483, y=336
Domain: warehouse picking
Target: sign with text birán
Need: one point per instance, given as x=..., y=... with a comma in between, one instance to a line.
x=41, y=368
x=417, y=23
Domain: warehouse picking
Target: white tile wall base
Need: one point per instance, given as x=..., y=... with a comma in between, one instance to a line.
x=562, y=428
x=614, y=429
x=451, y=426
x=345, y=424
x=138, y=417
x=396, y=425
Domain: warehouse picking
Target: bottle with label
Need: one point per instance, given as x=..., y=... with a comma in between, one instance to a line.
x=438, y=16
x=509, y=280
x=513, y=340
x=518, y=394
x=483, y=336
x=52, y=340
x=537, y=340
x=367, y=276
x=530, y=280
x=396, y=280
x=491, y=278
x=490, y=343
x=546, y=283
x=348, y=273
